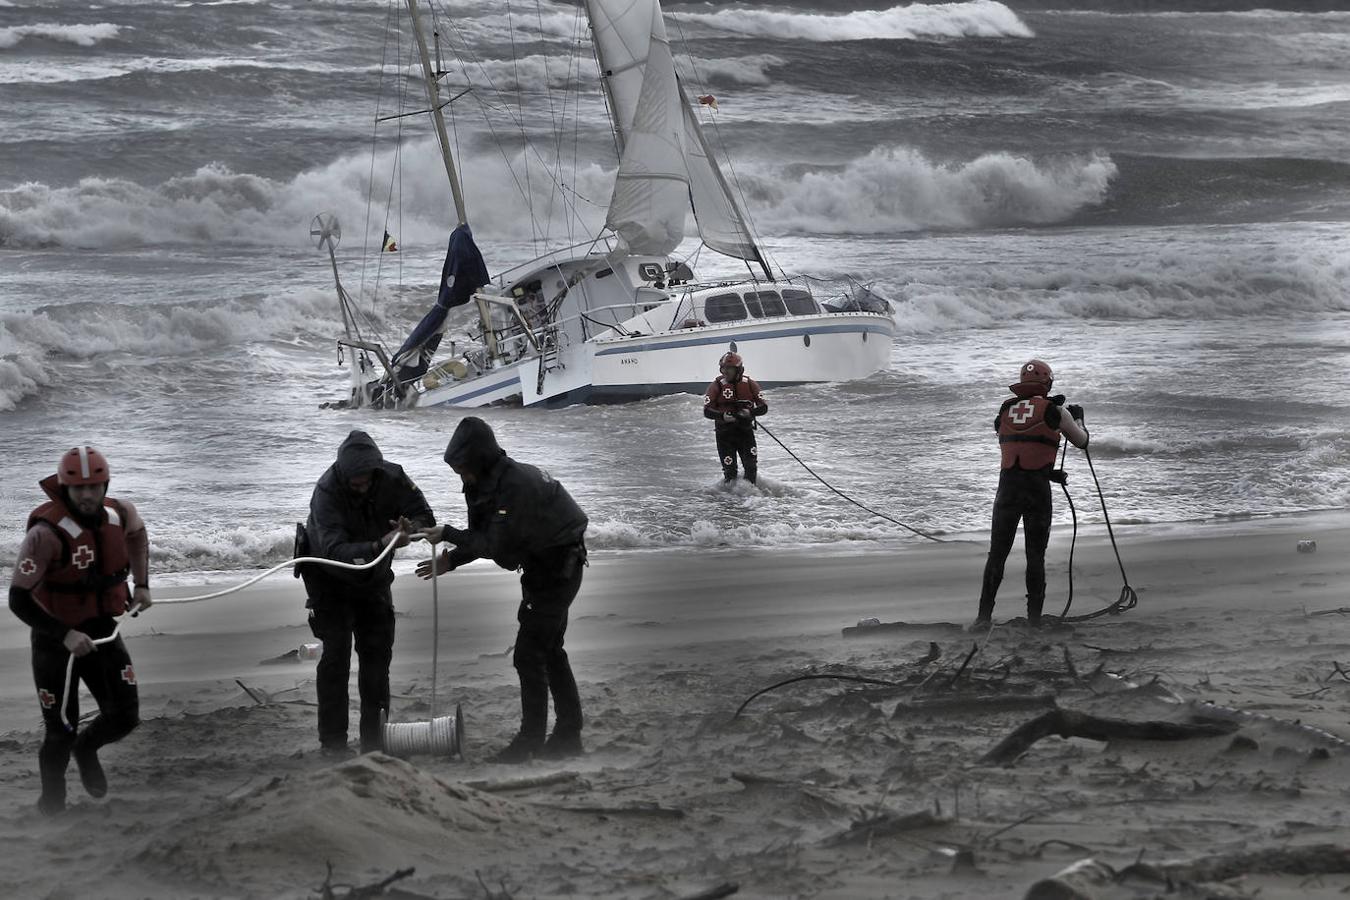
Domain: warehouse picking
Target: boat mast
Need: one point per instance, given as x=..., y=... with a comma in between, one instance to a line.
x=434, y=99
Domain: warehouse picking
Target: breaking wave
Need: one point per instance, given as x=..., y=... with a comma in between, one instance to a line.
x=897, y=189
x=79, y=35
x=977, y=18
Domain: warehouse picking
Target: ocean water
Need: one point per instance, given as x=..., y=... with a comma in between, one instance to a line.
x=1153, y=195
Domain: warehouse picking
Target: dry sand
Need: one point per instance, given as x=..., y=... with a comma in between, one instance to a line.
x=821, y=789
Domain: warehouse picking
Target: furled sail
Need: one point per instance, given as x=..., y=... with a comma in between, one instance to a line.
x=463, y=273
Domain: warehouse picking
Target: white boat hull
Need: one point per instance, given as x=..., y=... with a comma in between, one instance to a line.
x=780, y=351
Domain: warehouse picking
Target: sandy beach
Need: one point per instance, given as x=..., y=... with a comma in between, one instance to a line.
x=825, y=788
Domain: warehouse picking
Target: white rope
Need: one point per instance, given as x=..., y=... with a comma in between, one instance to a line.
x=70, y=661
x=277, y=568
x=70, y=665
x=435, y=630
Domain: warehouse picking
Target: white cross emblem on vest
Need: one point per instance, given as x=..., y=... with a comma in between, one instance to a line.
x=83, y=557
x=1022, y=411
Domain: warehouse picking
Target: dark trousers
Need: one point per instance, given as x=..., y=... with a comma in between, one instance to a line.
x=109, y=676
x=368, y=623
x=547, y=592
x=1022, y=495
x=733, y=441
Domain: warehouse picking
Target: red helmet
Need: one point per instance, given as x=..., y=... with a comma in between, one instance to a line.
x=1036, y=370
x=1033, y=378
x=82, y=465
x=731, y=359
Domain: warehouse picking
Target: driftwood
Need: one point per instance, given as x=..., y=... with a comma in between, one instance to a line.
x=1067, y=723
x=960, y=703
x=1204, y=711
x=1072, y=883
x=1315, y=859
x=521, y=784
x=326, y=890
x=884, y=824
x=884, y=627
x=725, y=889
x=636, y=809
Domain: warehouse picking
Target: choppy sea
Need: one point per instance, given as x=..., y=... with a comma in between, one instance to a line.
x=1153, y=195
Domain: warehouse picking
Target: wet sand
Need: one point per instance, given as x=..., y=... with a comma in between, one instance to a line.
x=823, y=788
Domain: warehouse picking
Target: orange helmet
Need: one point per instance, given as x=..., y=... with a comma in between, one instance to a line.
x=731, y=359
x=82, y=465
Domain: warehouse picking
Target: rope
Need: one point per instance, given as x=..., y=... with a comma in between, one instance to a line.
x=1128, y=599
x=435, y=631
x=135, y=610
x=920, y=533
x=277, y=568
x=70, y=669
x=858, y=678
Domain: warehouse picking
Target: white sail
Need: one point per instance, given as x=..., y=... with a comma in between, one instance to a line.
x=651, y=189
x=720, y=221
x=622, y=31
x=625, y=33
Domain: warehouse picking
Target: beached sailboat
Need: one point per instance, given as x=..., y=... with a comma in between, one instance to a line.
x=617, y=318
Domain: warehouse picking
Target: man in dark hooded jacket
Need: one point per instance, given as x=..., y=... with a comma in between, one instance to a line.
x=359, y=506
x=520, y=518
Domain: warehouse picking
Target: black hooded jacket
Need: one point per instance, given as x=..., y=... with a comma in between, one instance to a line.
x=345, y=527
x=518, y=515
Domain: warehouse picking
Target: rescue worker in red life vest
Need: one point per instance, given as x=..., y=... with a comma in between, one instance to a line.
x=69, y=584
x=733, y=401
x=1029, y=426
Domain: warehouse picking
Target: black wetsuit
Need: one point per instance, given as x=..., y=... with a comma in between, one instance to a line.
x=520, y=518
x=356, y=609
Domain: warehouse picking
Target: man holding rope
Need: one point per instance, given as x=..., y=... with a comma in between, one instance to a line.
x=360, y=505
x=521, y=518
x=733, y=401
x=69, y=585
x=1029, y=426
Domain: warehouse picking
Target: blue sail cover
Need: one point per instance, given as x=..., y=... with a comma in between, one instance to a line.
x=463, y=273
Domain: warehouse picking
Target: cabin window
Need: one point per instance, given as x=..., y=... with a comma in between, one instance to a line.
x=800, y=303
x=764, y=304
x=724, y=308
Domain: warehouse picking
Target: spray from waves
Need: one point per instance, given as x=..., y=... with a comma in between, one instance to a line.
x=896, y=189
x=1223, y=274
x=535, y=72
x=890, y=190
x=976, y=18
x=753, y=69
x=79, y=35
x=216, y=205
x=34, y=346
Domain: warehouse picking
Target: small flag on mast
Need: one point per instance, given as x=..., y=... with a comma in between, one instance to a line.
x=389, y=246
x=708, y=100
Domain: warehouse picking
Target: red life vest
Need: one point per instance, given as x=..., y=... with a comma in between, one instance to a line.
x=1026, y=441
x=91, y=580
x=729, y=396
